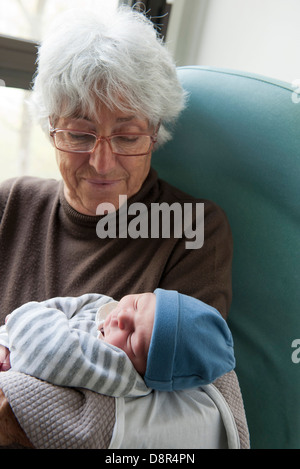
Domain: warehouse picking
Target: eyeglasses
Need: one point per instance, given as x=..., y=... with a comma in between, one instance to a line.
x=75, y=141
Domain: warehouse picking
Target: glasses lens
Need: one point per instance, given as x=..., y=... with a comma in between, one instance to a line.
x=81, y=142
x=130, y=145
x=74, y=141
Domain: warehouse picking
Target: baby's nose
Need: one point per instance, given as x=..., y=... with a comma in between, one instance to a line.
x=125, y=319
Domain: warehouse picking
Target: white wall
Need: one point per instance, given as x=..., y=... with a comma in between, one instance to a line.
x=259, y=36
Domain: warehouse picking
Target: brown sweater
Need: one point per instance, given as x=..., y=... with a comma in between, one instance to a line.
x=48, y=249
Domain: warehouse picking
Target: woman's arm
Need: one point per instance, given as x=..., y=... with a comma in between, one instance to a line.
x=11, y=434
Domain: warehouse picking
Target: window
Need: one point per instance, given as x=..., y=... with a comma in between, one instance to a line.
x=158, y=11
x=27, y=19
x=25, y=149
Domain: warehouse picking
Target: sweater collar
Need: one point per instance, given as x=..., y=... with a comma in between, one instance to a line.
x=147, y=194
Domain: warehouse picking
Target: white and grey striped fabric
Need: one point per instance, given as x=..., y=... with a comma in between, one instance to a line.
x=56, y=341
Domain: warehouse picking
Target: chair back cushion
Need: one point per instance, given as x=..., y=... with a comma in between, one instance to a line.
x=238, y=144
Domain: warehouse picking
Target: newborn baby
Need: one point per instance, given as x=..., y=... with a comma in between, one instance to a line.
x=162, y=340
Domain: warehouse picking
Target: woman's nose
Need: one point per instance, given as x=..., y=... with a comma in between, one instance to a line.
x=102, y=158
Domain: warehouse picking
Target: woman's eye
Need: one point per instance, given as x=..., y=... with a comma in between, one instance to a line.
x=126, y=138
x=78, y=136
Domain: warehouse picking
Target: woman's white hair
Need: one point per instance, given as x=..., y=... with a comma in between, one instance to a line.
x=118, y=60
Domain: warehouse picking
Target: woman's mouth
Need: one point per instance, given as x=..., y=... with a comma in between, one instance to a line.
x=103, y=182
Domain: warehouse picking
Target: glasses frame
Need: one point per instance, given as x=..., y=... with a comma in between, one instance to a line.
x=153, y=140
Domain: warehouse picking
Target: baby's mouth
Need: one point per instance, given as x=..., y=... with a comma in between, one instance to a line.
x=102, y=314
x=101, y=334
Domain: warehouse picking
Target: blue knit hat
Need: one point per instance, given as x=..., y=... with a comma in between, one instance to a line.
x=191, y=344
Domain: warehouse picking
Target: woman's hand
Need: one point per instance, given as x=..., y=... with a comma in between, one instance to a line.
x=11, y=434
x=4, y=358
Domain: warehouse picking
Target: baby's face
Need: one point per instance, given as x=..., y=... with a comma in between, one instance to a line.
x=129, y=327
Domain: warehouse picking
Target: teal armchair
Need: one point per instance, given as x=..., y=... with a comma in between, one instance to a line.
x=238, y=144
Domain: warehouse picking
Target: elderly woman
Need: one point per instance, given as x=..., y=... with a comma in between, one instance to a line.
x=107, y=94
